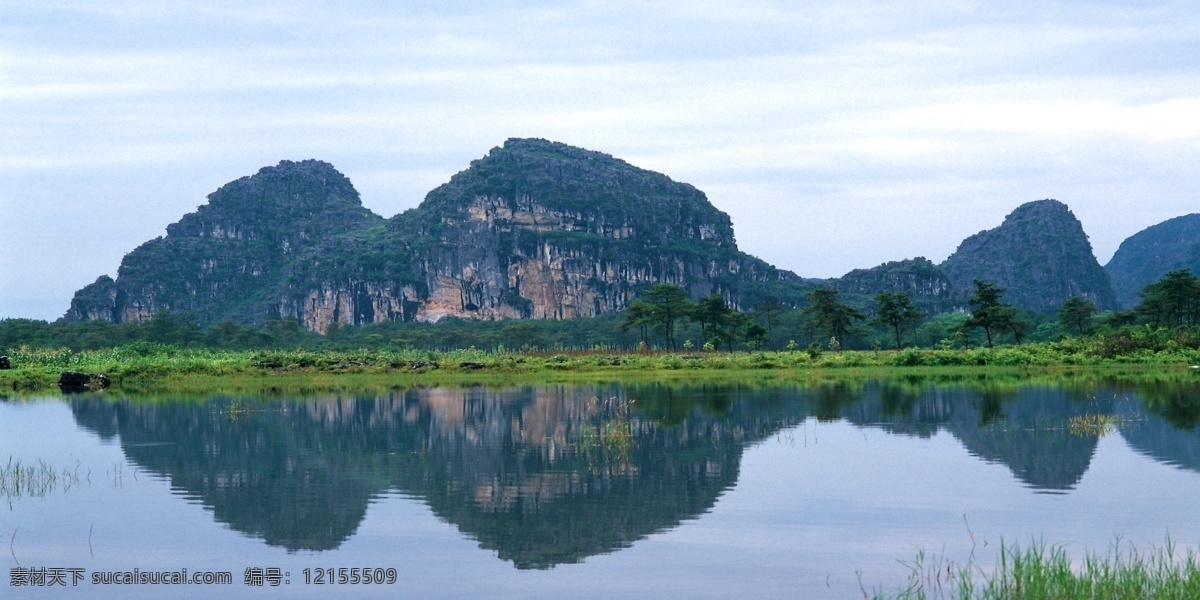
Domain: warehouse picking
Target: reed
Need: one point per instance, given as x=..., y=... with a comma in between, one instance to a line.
x=607, y=437
x=1040, y=571
x=19, y=479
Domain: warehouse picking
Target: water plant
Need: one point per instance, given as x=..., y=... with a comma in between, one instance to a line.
x=1042, y=571
x=1098, y=425
x=19, y=478
x=607, y=436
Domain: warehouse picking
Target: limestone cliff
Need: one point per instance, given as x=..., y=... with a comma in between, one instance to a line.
x=226, y=260
x=534, y=229
x=919, y=278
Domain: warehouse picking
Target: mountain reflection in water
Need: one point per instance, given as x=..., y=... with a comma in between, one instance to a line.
x=533, y=474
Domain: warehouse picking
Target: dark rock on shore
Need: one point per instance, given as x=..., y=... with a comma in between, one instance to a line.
x=74, y=381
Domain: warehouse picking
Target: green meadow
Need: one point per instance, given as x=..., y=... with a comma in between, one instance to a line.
x=144, y=366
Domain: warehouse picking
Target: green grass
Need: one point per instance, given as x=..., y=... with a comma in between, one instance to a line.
x=149, y=367
x=1039, y=571
x=607, y=437
x=18, y=479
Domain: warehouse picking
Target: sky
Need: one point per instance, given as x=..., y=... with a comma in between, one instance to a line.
x=836, y=135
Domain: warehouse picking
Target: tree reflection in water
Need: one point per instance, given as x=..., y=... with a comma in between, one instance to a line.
x=545, y=475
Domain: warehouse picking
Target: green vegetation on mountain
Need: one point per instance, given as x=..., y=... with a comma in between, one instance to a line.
x=534, y=229
x=228, y=259
x=541, y=230
x=1040, y=254
x=918, y=278
x=1148, y=255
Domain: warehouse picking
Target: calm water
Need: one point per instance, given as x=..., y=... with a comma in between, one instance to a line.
x=643, y=490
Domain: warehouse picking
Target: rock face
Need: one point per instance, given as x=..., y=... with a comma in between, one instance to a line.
x=534, y=229
x=1040, y=255
x=1146, y=256
x=227, y=259
x=918, y=277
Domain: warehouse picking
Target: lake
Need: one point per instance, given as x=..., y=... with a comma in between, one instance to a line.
x=653, y=490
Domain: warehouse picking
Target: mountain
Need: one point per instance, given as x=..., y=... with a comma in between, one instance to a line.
x=534, y=229
x=1147, y=255
x=918, y=277
x=1039, y=254
x=229, y=258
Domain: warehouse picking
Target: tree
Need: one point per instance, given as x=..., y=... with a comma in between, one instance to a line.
x=1076, y=313
x=667, y=303
x=770, y=307
x=166, y=327
x=637, y=314
x=736, y=326
x=713, y=315
x=1172, y=301
x=989, y=313
x=896, y=311
x=828, y=313
x=754, y=334
x=720, y=323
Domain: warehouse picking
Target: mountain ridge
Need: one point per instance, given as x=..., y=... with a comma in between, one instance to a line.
x=533, y=229
x=1039, y=254
x=1146, y=256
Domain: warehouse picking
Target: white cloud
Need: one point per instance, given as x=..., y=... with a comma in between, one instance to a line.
x=795, y=117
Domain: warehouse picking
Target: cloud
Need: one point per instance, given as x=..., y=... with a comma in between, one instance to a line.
x=795, y=117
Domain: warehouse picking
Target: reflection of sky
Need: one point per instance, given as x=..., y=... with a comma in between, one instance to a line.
x=813, y=505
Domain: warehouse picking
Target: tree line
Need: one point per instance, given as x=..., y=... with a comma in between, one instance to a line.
x=664, y=317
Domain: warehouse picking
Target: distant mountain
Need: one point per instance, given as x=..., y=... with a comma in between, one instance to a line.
x=534, y=229
x=918, y=277
x=1039, y=254
x=1147, y=255
x=539, y=229
x=229, y=258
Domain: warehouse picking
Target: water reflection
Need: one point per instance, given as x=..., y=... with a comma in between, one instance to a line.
x=545, y=475
x=510, y=468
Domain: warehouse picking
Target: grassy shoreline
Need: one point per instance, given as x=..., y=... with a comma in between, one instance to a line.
x=1038, y=570
x=150, y=367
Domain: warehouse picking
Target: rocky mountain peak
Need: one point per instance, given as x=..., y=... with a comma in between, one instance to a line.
x=1146, y=256
x=288, y=202
x=1040, y=254
x=225, y=259
x=917, y=277
x=578, y=190
x=533, y=229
